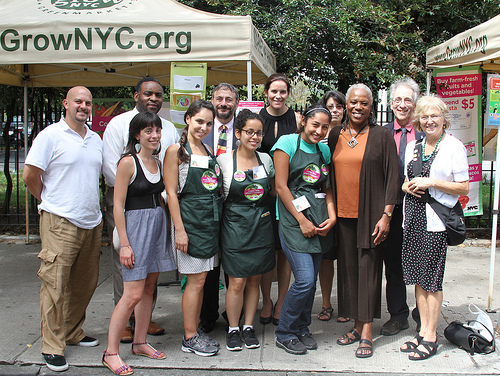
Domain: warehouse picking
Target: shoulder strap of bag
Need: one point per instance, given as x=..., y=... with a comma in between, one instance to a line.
x=417, y=163
x=493, y=347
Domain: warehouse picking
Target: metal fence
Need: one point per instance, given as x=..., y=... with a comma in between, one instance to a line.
x=13, y=218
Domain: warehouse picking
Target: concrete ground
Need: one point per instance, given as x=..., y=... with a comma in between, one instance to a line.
x=466, y=281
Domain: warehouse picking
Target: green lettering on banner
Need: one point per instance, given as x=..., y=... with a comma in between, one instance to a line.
x=167, y=36
x=26, y=38
x=37, y=44
x=153, y=35
x=118, y=38
x=104, y=37
x=60, y=40
x=14, y=42
x=86, y=41
x=181, y=45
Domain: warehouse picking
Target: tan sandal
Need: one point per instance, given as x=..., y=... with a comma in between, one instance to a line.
x=124, y=370
x=157, y=354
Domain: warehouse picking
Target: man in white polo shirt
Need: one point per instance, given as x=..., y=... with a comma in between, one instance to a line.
x=62, y=171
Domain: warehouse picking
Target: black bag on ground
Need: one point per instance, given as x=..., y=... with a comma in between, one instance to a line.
x=469, y=339
x=452, y=218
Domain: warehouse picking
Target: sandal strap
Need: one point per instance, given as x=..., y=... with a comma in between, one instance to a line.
x=109, y=354
x=366, y=342
x=356, y=335
x=410, y=345
x=429, y=346
x=140, y=343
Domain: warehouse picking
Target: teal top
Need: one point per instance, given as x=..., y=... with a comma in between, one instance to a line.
x=288, y=144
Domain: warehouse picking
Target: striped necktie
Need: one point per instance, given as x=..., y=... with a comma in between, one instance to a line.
x=222, y=143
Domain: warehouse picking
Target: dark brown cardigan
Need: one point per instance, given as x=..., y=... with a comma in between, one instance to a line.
x=378, y=181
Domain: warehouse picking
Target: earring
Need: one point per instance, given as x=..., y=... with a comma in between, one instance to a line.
x=137, y=147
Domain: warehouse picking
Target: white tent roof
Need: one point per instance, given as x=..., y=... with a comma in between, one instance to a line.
x=117, y=42
x=479, y=45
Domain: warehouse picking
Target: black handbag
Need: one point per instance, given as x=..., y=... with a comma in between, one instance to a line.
x=452, y=218
x=468, y=338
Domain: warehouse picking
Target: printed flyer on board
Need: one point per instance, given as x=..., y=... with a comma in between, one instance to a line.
x=461, y=91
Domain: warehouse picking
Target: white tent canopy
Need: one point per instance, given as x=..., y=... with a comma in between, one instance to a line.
x=63, y=43
x=117, y=42
x=477, y=46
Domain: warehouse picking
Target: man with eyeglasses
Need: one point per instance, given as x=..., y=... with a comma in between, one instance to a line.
x=403, y=96
x=222, y=140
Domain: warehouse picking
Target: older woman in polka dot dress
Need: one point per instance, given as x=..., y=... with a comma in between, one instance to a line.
x=444, y=176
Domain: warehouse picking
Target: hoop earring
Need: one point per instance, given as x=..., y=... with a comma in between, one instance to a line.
x=137, y=147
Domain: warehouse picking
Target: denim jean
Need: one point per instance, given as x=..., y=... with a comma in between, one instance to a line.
x=295, y=316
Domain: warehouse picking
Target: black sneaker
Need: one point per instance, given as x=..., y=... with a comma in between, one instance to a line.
x=56, y=363
x=88, y=342
x=207, y=326
x=393, y=327
x=308, y=341
x=293, y=346
x=250, y=339
x=233, y=341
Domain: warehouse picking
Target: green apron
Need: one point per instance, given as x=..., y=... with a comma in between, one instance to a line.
x=200, y=203
x=247, y=236
x=307, y=172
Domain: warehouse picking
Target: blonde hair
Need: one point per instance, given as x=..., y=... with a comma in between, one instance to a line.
x=427, y=102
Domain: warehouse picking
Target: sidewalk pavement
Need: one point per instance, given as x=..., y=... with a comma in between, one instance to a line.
x=466, y=281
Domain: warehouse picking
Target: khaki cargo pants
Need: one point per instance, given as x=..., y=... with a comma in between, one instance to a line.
x=69, y=272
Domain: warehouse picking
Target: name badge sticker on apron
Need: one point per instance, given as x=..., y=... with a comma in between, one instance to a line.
x=311, y=173
x=301, y=203
x=199, y=161
x=239, y=176
x=259, y=172
x=320, y=195
x=254, y=191
x=209, y=180
x=217, y=169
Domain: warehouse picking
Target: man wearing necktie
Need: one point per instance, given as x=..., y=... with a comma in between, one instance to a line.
x=221, y=139
x=403, y=96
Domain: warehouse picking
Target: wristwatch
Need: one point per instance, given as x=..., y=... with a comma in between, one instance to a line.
x=389, y=214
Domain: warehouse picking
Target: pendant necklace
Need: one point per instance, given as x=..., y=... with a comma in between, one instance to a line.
x=424, y=158
x=353, y=142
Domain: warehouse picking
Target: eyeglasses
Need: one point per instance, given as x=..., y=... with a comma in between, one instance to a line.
x=397, y=101
x=251, y=132
x=425, y=118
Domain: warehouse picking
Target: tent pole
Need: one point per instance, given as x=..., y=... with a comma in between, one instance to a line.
x=428, y=82
x=249, y=80
x=25, y=115
x=494, y=229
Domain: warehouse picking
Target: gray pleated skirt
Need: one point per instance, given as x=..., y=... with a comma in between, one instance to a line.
x=147, y=232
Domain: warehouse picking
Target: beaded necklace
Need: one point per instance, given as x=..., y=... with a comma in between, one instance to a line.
x=424, y=158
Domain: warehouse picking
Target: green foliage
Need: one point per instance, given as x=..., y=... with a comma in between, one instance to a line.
x=335, y=43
